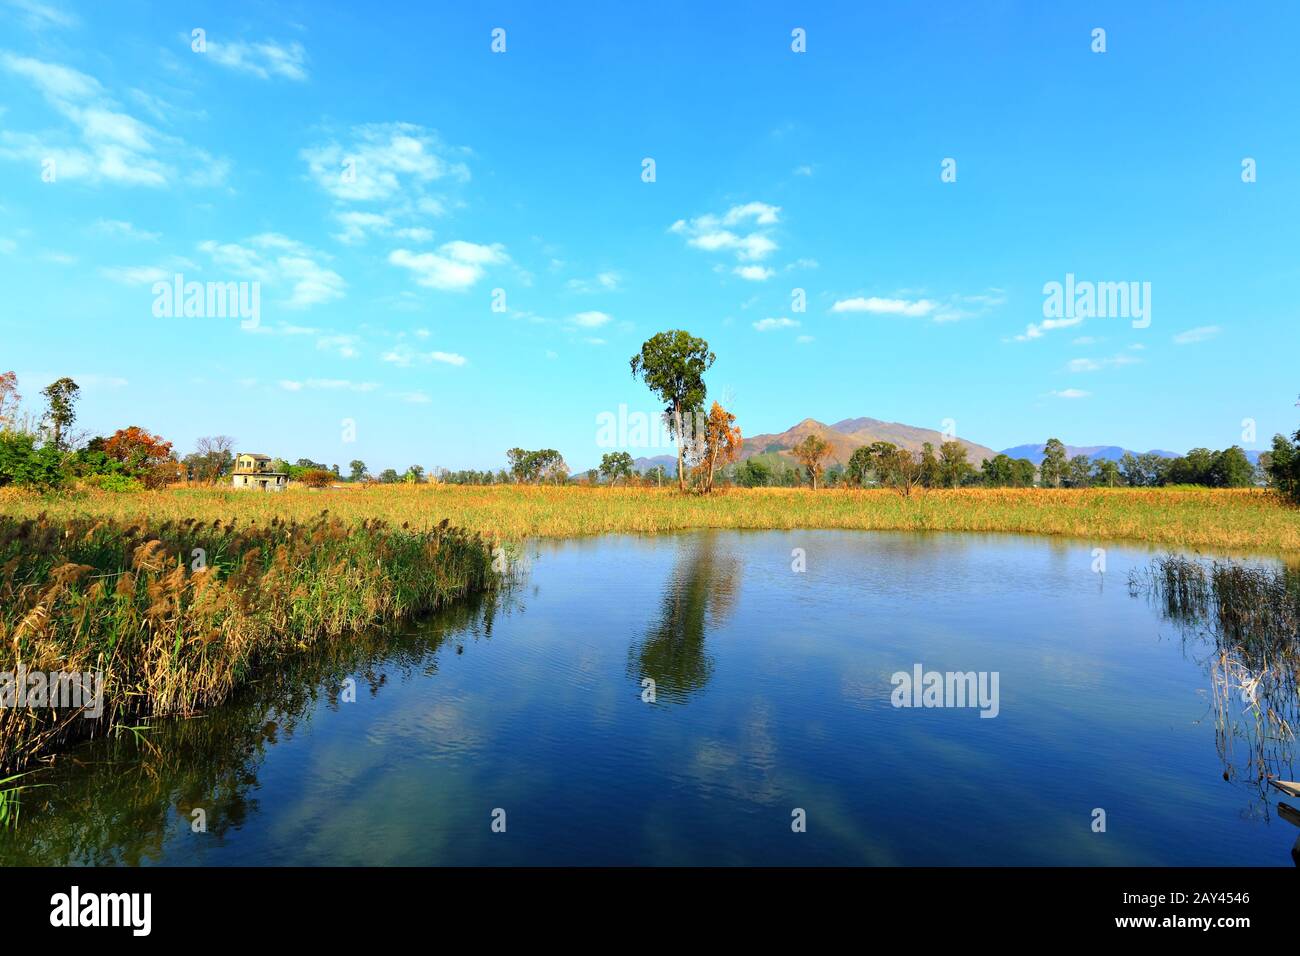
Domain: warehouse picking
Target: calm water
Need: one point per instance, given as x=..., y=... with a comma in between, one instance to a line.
x=772, y=693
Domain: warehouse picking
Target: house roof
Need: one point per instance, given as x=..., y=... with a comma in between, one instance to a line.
x=253, y=454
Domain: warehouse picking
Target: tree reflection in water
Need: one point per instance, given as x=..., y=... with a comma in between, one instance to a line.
x=700, y=593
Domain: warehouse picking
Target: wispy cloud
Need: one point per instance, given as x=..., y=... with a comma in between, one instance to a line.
x=771, y=325
x=1070, y=393
x=744, y=230
x=384, y=161
x=100, y=143
x=1199, y=334
x=875, y=305
x=602, y=282
x=951, y=309
x=328, y=384
x=1036, y=330
x=592, y=319
x=405, y=356
x=279, y=262
x=38, y=16
x=455, y=267
x=261, y=58
x=1096, y=365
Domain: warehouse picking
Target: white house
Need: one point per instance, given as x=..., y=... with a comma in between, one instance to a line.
x=254, y=471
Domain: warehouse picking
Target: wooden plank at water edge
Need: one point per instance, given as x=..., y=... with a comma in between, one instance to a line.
x=1290, y=814
x=1290, y=788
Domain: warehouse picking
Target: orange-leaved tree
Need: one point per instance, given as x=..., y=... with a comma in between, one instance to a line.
x=722, y=442
x=810, y=453
x=144, y=454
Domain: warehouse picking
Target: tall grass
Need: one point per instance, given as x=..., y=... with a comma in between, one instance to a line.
x=1249, y=615
x=176, y=614
x=1230, y=520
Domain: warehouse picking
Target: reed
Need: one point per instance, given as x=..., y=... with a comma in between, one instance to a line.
x=174, y=614
x=1226, y=520
x=1248, y=615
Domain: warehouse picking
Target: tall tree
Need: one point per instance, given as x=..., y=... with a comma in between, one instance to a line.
x=931, y=474
x=1052, y=469
x=9, y=399
x=953, y=466
x=61, y=409
x=615, y=465
x=810, y=453
x=213, y=455
x=672, y=364
x=358, y=470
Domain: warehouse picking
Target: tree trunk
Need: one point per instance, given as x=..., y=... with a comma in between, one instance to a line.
x=681, y=457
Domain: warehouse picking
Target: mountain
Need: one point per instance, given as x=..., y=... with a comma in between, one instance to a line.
x=1098, y=452
x=668, y=461
x=850, y=434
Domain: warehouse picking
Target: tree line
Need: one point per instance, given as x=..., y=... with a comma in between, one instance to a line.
x=46, y=452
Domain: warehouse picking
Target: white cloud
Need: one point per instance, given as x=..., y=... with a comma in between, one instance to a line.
x=455, y=267
x=603, y=282
x=769, y=325
x=344, y=346
x=100, y=143
x=878, y=306
x=120, y=229
x=405, y=356
x=135, y=275
x=754, y=273
x=263, y=59
x=357, y=225
x=592, y=319
x=384, y=161
x=804, y=339
x=328, y=384
x=37, y=16
x=277, y=261
x=718, y=233
x=1036, y=330
x=1096, y=365
x=1199, y=334
x=414, y=234
x=1071, y=393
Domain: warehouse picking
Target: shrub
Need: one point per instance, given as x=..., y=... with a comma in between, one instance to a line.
x=23, y=464
x=317, y=478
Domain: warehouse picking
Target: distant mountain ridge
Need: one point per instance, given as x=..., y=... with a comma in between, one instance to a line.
x=844, y=437
x=850, y=434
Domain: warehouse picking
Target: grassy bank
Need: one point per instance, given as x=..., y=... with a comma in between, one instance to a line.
x=177, y=613
x=1198, y=518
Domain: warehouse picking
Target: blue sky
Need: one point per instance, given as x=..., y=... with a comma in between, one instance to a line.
x=474, y=171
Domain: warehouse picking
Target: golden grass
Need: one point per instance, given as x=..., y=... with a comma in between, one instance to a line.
x=1238, y=520
x=176, y=615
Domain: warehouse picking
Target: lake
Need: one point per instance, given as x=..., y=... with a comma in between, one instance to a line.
x=695, y=699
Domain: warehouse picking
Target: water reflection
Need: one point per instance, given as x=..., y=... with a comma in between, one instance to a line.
x=698, y=596
x=118, y=800
x=787, y=680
